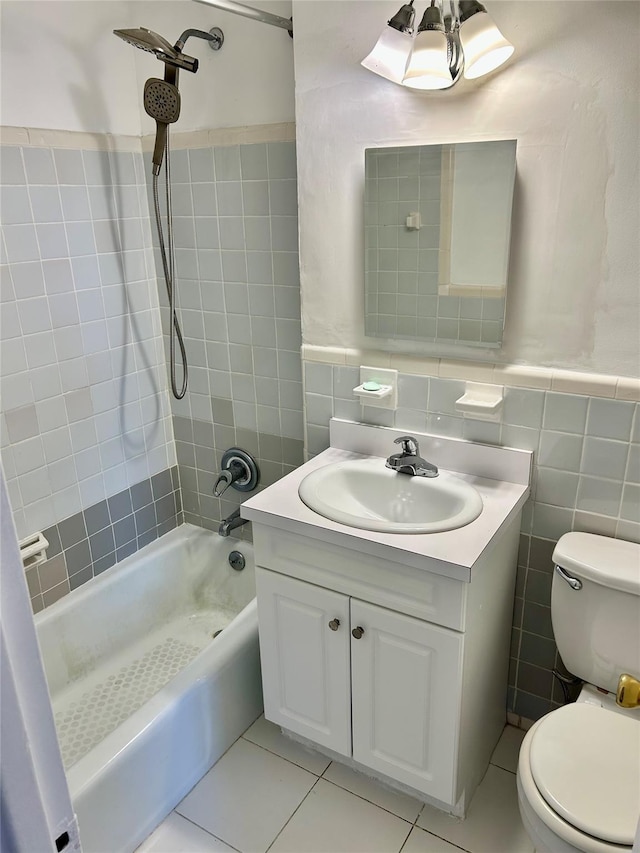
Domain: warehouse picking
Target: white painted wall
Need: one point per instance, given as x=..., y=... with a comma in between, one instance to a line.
x=570, y=98
x=62, y=68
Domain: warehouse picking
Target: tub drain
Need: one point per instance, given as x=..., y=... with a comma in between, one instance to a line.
x=215, y=633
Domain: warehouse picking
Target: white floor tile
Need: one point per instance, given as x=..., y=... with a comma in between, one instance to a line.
x=506, y=753
x=269, y=736
x=177, y=835
x=395, y=802
x=247, y=797
x=420, y=841
x=332, y=820
x=493, y=822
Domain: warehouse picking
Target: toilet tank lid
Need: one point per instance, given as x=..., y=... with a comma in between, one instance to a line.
x=614, y=563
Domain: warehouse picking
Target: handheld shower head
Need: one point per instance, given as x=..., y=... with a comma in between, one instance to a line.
x=162, y=103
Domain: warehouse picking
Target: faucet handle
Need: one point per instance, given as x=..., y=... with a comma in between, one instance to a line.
x=409, y=444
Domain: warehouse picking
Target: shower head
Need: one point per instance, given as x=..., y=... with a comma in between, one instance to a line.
x=147, y=40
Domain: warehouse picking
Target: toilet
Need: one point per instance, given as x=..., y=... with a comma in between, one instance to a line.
x=579, y=766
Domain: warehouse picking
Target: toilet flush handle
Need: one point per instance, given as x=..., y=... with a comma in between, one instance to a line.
x=574, y=583
x=628, y=692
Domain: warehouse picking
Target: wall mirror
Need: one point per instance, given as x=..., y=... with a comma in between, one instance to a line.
x=437, y=234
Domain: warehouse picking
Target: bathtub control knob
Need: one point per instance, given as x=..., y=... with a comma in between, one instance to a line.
x=357, y=632
x=334, y=624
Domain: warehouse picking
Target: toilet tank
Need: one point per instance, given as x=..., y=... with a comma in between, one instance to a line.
x=597, y=627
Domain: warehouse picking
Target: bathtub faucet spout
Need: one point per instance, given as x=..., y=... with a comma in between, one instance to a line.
x=230, y=523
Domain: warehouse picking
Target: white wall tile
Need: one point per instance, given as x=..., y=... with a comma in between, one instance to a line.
x=13, y=357
x=73, y=373
x=16, y=206
x=45, y=203
x=67, y=502
x=34, y=315
x=41, y=350
x=57, y=444
x=62, y=474
x=57, y=275
x=52, y=241
x=34, y=485
x=16, y=390
x=92, y=490
x=52, y=414
x=46, y=382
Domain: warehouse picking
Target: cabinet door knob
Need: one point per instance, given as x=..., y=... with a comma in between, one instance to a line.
x=357, y=632
x=334, y=624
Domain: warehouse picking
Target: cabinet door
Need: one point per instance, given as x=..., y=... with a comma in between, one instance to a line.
x=406, y=686
x=305, y=664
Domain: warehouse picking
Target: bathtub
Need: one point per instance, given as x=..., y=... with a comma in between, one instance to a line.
x=145, y=698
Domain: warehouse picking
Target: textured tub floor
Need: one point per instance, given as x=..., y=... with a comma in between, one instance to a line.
x=92, y=707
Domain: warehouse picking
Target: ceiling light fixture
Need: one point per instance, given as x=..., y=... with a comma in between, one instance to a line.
x=446, y=45
x=391, y=52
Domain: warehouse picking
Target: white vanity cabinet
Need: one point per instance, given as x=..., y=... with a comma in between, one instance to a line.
x=418, y=695
x=404, y=710
x=390, y=652
x=361, y=680
x=306, y=668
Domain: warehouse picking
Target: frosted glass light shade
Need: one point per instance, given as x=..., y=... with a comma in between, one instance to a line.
x=428, y=67
x=389, y=56
x=484, y=46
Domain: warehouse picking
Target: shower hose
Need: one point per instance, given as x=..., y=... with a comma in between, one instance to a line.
x=168, y=265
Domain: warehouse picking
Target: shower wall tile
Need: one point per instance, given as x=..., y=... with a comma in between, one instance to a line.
x=85, y=408
x=586, y=472
x=96, y=538
x=239, y=294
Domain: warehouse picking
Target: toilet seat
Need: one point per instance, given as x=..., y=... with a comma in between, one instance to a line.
x=585, y=763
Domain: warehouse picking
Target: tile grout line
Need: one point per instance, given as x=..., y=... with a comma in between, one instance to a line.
x=193, y=823
x=347, y=790
x=278, y=755
x=371, y=803
x=292, y=813
x=375, y=805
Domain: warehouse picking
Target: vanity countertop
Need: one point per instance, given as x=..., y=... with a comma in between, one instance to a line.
x=451, y=553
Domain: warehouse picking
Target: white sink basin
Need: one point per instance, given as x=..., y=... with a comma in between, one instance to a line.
x=366, y=494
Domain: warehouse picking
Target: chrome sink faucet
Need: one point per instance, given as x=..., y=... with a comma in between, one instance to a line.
x=409, y=461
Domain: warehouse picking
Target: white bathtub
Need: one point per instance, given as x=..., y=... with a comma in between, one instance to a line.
x=145, y=700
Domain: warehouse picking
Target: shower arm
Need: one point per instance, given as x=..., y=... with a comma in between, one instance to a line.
x=251, y=12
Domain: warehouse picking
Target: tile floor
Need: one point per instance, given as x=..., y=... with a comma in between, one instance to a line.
x=268, y=793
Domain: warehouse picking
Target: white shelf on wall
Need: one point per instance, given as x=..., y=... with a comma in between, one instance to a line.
x=480, y=401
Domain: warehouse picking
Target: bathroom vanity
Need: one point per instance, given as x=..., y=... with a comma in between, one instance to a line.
x=390, y=651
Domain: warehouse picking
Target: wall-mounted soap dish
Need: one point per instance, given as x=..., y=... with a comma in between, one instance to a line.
x=378, y=387
x=480, y=401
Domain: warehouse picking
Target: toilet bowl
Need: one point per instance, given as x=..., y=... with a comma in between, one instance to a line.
x=579, y=779
x=578, y=773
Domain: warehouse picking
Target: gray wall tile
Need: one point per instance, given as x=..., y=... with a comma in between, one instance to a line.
x=586, y=478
